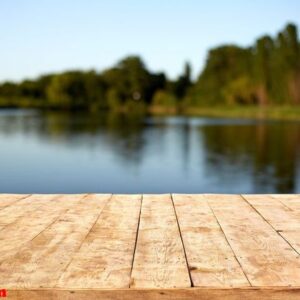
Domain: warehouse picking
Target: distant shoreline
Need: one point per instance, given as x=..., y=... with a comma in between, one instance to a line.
x=248, y=112
x=290, y=113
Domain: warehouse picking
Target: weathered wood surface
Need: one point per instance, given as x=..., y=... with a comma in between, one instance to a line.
x=159, y=259
x=95, y=246
x=266, y=258
x=105, y=258
x=211, y=260
x=252, y=293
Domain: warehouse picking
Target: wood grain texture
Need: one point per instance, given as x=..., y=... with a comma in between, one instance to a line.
x=159, y=259
x=31, y=216
x=125, y=247
x=41, y=261
x=160, y=294
x=27, y=205
x=105, y=257
x=290, y=201
x=264, y=255
x=293, y=237
x=282, y=214
x=9, y=199
x=211, y=260
x=281, y=217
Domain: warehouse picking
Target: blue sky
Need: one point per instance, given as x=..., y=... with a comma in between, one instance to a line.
x=43, y=36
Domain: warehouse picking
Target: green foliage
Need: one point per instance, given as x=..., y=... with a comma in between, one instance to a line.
x=266, y=73
x=113, y=99
x=75, y=90
x=164, y=99
x=131, y=81
x=224, y=65
x=240, y=91
x=183, y=83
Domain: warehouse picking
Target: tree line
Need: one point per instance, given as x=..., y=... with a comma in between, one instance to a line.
x=266, y=73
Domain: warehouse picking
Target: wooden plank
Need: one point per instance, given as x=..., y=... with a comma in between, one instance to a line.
x=211, y=260
x=41, y=261
x=159, y=259
x=9, y=199
x=284, y=219
x=24, y=207
x=105, y=257
x=290, y=201
x=281, y=217
x=264, y=256
x=293, y=237
x=159, y=294
x=45, y=209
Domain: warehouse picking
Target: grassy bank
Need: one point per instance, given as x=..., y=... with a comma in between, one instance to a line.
x=291, y=113
x=248, y=112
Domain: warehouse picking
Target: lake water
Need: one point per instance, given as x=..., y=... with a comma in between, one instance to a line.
x=77, y=153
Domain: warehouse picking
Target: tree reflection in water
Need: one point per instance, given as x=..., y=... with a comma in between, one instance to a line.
x=133, y=153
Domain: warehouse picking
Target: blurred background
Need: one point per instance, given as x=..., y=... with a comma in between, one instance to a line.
x=157, y=97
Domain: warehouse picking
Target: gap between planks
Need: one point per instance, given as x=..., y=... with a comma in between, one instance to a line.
x=266, y=258
x=229, y=244
x=135, y=244
x=290, y=214
x=183, y=246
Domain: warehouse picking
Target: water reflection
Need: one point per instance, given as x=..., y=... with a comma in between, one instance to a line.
x=68, y=152
x=270, y=152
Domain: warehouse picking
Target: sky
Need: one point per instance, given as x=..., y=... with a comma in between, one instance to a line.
x=45, y=36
